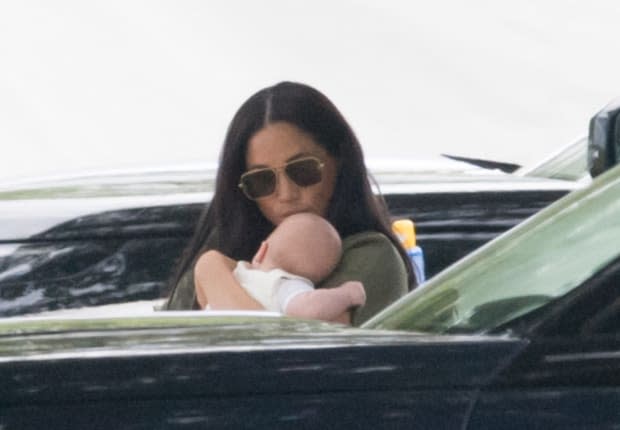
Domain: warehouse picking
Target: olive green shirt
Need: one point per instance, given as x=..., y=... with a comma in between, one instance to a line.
x=368, y=257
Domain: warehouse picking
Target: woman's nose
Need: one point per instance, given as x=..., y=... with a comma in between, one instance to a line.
x=286, y=189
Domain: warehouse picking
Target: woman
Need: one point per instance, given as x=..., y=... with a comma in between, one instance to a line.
x=289, y=150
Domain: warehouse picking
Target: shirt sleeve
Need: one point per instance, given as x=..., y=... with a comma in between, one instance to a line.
x=372, y=259
x=288, y=288
x=183, y=295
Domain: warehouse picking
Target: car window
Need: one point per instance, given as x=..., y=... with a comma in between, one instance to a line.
x=539, y=260
x=605, y=318
x=571, y=163
x=591, y=311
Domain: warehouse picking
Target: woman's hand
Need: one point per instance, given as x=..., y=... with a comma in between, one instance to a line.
x=215, y=284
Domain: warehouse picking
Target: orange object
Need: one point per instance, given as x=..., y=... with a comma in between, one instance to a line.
x=405, y=230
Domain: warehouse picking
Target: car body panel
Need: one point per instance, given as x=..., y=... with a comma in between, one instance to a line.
x=236, y=371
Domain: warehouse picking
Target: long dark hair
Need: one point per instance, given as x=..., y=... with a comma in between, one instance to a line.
x=234, y=225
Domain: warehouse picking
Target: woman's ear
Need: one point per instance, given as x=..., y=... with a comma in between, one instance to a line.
x=260, y=254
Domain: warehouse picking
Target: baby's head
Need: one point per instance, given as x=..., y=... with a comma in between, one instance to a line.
x=304, y=244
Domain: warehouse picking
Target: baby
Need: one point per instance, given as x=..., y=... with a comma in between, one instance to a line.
x=302, y=250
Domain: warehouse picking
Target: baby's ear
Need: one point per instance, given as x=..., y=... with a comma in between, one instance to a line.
x=260, y=254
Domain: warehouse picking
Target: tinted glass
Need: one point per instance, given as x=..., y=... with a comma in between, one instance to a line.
x=259, y=183
x=537, y=261
x=304, y=172
x=569, y=164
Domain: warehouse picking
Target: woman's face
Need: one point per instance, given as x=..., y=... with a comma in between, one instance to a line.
x=274, y=146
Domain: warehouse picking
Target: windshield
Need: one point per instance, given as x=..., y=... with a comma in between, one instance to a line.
x=570, y=164
x=541, y=259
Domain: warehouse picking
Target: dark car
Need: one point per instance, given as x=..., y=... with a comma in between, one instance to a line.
x=522, y=333
x=551, y=283
x=116, y=236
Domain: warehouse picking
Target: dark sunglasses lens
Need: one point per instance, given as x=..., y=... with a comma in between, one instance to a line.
x=304, y=172
x=259, y=184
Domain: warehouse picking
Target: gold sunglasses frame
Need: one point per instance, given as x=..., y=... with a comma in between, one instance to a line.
x=275, y=171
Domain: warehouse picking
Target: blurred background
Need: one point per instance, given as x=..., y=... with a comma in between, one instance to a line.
x=124, y=83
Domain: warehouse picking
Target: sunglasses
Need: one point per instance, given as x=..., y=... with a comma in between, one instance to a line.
x=261, y=182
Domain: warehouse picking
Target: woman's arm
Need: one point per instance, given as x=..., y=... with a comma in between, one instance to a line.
x=216, y=285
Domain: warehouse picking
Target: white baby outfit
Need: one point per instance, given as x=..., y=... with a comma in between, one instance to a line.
x=273, y=289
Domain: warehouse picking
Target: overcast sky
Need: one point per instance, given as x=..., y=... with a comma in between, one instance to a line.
x=117, y=83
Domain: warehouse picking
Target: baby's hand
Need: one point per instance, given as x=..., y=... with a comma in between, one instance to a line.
x=355, y=290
